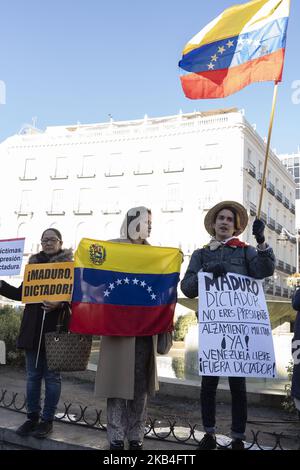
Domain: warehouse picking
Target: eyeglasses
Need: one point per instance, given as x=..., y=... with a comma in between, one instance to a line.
x=52, y=240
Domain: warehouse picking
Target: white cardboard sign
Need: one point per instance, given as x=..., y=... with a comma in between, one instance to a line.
x=11, y=255
x=235, y=335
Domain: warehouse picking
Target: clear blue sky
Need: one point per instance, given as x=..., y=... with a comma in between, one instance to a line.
x=65, y=61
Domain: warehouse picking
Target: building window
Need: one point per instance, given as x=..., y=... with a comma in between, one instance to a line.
x=174, y=162
x=25, y=206
x=211, y=158
x=57, y=202
x=112, y=198
x=87, y=167
x=61, y=169
x=143, y=196
x=144, y=165
x=84, y=202
x=115, y=165
x=173, y=201
x=29, y=170
x=210, y=195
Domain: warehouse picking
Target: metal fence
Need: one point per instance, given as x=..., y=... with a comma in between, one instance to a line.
x=168, y=429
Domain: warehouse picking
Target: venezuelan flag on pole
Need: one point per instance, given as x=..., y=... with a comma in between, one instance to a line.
x=245, y=44
x=124, y=289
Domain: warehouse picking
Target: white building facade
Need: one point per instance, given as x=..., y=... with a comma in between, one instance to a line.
x=82, y=179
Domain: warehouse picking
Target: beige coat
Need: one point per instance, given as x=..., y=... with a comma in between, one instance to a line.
x=115, y=371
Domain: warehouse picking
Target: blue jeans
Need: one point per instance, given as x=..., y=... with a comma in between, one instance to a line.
x=238, y=404
x=34, y=386
x=295, y=391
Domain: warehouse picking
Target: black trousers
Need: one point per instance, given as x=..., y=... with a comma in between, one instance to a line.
x=238, y=404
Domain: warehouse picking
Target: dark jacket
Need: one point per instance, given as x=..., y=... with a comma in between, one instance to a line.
x=295, y=390
x=241, y=260
x=33, y=313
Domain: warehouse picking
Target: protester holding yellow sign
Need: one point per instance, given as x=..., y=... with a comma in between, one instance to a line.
x=41, y=316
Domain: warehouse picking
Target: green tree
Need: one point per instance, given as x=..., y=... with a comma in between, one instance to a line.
x=10, y=320
x=182, y=325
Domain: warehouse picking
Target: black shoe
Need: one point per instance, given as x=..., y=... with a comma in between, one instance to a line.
x=135, y=445
x=27, y=428
x=116, y=445
x=208, y=442
x=237, y=444
x=43, y=429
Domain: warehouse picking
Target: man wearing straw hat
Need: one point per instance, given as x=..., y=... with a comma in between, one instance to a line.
x=226, y=253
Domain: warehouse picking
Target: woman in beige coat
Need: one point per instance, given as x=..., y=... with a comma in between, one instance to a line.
x=127, y=372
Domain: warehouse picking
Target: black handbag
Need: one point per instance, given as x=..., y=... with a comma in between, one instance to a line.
x=164, y=342
x=65, y=351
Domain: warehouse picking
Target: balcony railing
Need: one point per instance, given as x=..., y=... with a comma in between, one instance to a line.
x=278, y=228
x=286, y=202
x=279, y=195
x=292, y=208
x=172, y=206
x=252, y=208
x=271, y=223
x=278, y=290
x=271, y=188
x=285, y=292
x=251, y=169
x=263, y=217
x=280, y=265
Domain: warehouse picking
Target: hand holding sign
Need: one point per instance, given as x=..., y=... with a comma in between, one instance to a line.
x=49, y=306
x=218, y=269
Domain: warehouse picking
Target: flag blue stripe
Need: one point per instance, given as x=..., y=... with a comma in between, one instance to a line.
x=114, y=288
x=237, y=50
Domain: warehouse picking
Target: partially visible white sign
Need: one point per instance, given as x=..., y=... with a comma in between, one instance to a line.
x=2, y=353
x=235, y=335
x=11, y=255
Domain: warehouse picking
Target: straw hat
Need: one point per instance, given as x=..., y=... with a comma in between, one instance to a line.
x=242, y=219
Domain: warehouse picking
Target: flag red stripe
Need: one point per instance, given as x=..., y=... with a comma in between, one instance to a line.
x=222, y=83
x=121, y=320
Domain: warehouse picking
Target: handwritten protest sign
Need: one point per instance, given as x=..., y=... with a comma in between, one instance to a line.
x=49, y=281
x=235, y=335
x=11, y=255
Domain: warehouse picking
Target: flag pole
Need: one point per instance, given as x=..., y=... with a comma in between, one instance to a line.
x=267, y=150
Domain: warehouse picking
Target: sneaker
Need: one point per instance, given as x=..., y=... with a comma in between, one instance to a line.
x=43, y=429
x=237, y=444
x=27, y=428
x=116, y=445
x=208, y=442
x=135, y=445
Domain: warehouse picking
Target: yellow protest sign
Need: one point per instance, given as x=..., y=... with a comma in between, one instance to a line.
x=48, y=281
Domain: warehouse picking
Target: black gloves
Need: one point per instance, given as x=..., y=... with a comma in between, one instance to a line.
x=218, y=269
x=258, y=230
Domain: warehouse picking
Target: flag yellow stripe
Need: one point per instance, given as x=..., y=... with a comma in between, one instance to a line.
x=231, y=23
x=130, y=258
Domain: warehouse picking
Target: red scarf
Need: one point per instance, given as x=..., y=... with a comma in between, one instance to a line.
x=235, y=242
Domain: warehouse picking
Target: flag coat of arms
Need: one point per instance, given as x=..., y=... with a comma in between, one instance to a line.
x=123, y=289
x=245, y=44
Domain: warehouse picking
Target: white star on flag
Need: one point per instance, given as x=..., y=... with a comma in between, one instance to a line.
x=143, y=283
x=153, y=296
x=106, y=293
x=111, y=286
x=221, y=49
x=135, y=281
x=214, y=58
x=119, y=282
x=229, y=43
x=149, y=289
x=126, y=280
x=210, y=66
